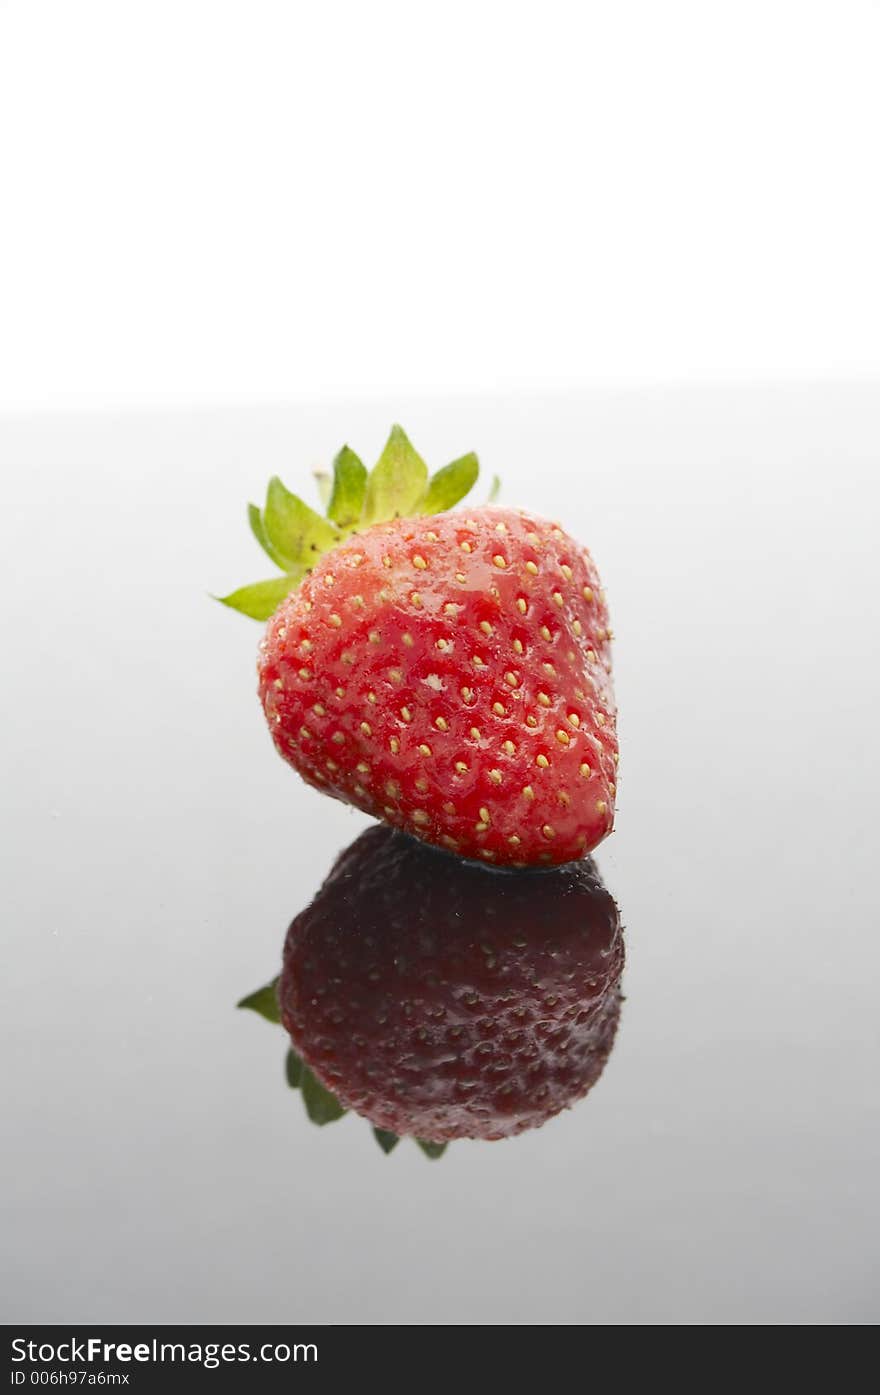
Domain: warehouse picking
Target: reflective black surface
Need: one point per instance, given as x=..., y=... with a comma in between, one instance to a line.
x=724, y=1167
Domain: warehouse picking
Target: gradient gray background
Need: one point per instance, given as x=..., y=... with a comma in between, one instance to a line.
x=154, y=848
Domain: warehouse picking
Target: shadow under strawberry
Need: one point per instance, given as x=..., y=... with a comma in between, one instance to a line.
x=442, y=999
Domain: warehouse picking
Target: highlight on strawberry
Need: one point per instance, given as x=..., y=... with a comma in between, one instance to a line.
x=445, y=670
x=444, y=1000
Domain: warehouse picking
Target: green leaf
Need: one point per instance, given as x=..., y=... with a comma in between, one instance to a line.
x=264, y=1001
x=494, y=489
x=321, y=1106
x=293, y=1070
x=397, y=480
x=325, y=486
x=298, y=534
x=349, y=488
x=386, y=1140
x=450, y=484
x=255, y=518
x=431, y=1150
x=263, y=598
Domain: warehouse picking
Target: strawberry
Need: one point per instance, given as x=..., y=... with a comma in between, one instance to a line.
x=445, y=1000
x=448, y=672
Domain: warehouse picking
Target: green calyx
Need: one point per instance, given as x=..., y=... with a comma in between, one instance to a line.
x=294, y=536
x=321, y=1105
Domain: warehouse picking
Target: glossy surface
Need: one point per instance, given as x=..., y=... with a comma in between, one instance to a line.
x=156, y=1166
x=445, y=1000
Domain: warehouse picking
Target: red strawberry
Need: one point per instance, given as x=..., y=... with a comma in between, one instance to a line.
x=445, y=1000
x=450, y=674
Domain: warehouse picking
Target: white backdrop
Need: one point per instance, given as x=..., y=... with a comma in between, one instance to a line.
x=215, y=200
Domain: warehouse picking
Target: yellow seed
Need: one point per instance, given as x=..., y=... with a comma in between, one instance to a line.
x=329, y=579
x=419, y=562
x=441, y=724
x=392, y=789
x=495, y=777
x=331, y=765
x=305, y=733
x=305, y=673
x=478, y=662
x=421, y=784
x=499, y=560
x=484, y=814
x=509, y=747
x=467, y=694
x=557, y=599
x=578, y=628
x=362, y=768
x=500, y=528
x=359, y=790
x=549, y=669
x=616, y=757
x=460, y=576
x=334, y=620
x=449, y=842
x=366, y=729
x=588, y=593
x=542, y=761
x=374, y=637
x=306, y=645
x=395, y=675
x=449, y=807
x=574, y=719
x=371, y=697
x=511, y=679
x=563, y=738
x=408, y=639
x=465, y=547
x=348, y=657
x=585, y=770
x=591, y=656
x=566, y=571
x=406, y=714
x=357, y=601
x=517, y=646
x=600, y=718
x=485, y=627
x=564, y=798
x=419, y=816
x=416, y=599
x=386, y=561
x=442, y=644
x=498, y=709
x=475, y=733
x=545, y=634
x=543, y=699
x=531, y=569
x=450, y=608
x=533, y=539
x=480, y=827
x=522, y=605
x=548, y=831
x=531, y=720
x=395, y=745
x=432, y=537
x=528, y=792
x=461, y=767
x=425, y=750
x=513, y=840
x=340, y=692
x=601, y=806
x=318, y=710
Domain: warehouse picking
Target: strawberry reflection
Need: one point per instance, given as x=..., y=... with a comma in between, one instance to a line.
x=444, y=1000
